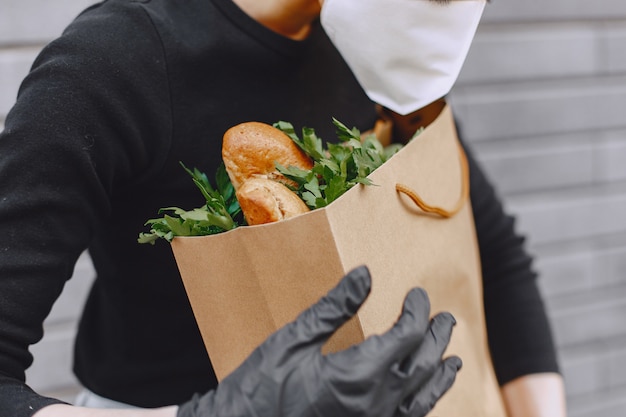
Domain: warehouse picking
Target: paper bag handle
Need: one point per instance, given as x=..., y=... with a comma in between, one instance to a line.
x=414, y=196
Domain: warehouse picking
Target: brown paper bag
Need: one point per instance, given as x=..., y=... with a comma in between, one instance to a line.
x=246, y=283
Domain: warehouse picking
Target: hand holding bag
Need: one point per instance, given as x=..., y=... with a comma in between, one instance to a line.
x=413, y=228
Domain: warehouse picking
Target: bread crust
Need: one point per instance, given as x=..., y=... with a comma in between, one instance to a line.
x=265, y=201
x=252, y=149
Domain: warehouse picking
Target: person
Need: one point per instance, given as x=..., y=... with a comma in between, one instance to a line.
x=92, y=147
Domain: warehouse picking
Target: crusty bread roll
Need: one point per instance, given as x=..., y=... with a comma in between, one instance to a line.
x=250, y=152
x=264, y=201
x=252, y=149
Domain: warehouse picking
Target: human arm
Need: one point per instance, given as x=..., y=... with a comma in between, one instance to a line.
x=69, y=138
x=520, y=337
x=65, y=410
x=396, y=374
x=525, y=360
x=535, y=395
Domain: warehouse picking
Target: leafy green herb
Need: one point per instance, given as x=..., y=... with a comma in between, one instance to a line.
x=338, y=167
x=220, y=213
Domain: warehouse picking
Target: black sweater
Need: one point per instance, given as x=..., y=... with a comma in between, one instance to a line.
x=91, y=150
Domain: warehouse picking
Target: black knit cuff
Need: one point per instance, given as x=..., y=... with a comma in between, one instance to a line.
x=18, y=400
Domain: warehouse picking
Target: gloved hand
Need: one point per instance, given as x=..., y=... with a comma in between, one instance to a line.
x=399, y=373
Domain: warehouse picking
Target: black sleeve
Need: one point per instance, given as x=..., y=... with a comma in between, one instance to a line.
x=81, y=126
x=25, y=401
x=518, y=329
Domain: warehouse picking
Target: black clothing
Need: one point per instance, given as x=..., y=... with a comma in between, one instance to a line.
x=91, y=150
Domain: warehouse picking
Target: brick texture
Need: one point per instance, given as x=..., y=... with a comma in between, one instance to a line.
x=541, y=98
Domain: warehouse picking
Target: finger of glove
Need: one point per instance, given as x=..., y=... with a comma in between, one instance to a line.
x=316, y=324
x=198, y=406
x=422, y=401
x=407, y=333
x=420, y=364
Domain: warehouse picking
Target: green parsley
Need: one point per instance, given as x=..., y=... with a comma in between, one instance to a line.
x=338, y=167
x=220, y=213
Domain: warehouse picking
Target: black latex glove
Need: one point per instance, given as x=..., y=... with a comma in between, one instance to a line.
x=399, y=373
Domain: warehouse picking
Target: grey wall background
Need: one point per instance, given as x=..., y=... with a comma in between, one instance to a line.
x=542, y=98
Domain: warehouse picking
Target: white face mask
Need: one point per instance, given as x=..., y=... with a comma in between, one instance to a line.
x=404, y=53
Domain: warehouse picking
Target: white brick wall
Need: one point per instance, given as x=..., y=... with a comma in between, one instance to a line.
x=542, y=97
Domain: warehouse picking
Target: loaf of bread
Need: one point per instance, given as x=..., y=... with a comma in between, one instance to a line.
x=250, y=152
x=252, y=149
